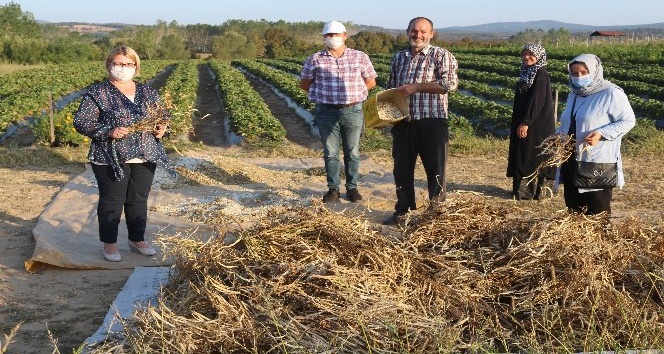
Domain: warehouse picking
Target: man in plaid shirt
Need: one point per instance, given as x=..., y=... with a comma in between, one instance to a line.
x=338, y=79
x=425, y=74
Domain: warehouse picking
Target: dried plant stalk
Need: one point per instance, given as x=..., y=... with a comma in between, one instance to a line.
x=557, y=149
x=157, y=114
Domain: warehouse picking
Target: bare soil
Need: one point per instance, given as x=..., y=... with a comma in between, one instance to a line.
x=297, y=130
x=71, y=304
x=209, y=120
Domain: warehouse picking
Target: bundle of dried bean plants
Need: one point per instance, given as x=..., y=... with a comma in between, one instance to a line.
x=554, y=150
x=155, y=115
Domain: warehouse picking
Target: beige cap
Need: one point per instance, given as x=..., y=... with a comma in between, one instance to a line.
x=334, y=27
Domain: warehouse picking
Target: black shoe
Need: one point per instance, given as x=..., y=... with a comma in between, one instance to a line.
x=353, y=195
x=437, y=200
x=395, y=219
x=332, y=196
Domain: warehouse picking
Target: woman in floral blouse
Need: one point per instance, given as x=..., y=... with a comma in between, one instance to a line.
x=123, y=158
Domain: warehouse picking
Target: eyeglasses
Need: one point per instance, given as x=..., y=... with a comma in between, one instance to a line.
x=124, y=65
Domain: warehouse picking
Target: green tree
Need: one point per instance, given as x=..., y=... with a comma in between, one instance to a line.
x=372, y=42
x=104, y=45
x=232, y=45
x=144, y=42
x=25, y=50
x=70, y=49
x=559, y=36
x=172, y=47
x=276, y=42
x=199, y=37
x=529, y=35
x=15, y=22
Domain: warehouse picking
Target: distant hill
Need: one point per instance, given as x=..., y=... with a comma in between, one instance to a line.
x=115, y=25
x=96, y=30
x=510, y=28
x=488, y=30
x=505, y=29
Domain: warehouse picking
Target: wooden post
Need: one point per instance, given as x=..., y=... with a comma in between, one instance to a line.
x=50, y=113
x=555, y=106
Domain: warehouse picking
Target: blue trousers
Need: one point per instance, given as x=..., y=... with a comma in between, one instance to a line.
x=340, y=126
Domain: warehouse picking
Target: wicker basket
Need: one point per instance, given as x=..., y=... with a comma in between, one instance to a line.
x=376, y=118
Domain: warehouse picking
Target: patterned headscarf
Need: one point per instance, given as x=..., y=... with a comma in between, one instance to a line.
x=528, y=72
x=595, y=70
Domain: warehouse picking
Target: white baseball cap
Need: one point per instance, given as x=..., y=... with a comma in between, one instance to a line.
x=334, y=27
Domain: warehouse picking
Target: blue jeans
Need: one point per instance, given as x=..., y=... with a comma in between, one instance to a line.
x=340, y=125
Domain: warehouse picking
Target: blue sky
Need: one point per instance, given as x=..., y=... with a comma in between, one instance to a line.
x=385, y=13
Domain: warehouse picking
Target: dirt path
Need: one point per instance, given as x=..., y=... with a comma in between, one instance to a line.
x=71, y=304
x=210, y=129
x=297, y=130
x=158, y=81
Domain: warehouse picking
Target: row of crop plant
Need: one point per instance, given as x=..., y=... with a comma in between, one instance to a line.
x=281, y=75
x=642, y=86
x=285, y=68
x=493, y=76
x=179, y=95
x=248, y=117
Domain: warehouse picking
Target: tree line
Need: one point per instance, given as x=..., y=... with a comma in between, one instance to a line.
x=24, y=41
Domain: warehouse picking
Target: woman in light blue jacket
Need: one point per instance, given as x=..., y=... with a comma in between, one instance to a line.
x=602, y=116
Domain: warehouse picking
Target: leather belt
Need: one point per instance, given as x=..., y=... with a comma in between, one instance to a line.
x=339, y=106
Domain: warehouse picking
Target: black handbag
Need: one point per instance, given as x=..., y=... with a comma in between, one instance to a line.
x=592, y=175
x=596, y=174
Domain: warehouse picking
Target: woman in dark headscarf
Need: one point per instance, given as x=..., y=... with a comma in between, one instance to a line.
x=533, y=121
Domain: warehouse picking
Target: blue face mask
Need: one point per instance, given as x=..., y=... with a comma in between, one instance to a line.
x=582, y=81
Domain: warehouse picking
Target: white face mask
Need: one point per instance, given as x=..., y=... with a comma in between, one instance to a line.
x=334, y=42
x=122, y=74
x=582, y=81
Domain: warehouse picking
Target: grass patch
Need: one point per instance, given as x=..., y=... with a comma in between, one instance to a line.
x=8, y=68
x=39, y=155
x=376, y=139
x=644, y=139
x=475, y=146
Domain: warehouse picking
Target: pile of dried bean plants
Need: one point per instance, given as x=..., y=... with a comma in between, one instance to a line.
x=469, y=275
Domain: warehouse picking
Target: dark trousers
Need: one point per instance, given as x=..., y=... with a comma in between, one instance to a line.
x=428, y=139
x=524, y=191
x=589, y=203
x=130, y=193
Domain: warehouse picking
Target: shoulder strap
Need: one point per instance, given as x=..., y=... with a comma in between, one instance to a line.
x=572, y=124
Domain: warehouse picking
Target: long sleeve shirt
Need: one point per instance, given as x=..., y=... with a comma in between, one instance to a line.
x=432, y=64
x=103, y=108
x=607, y=112
x=338, y=80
